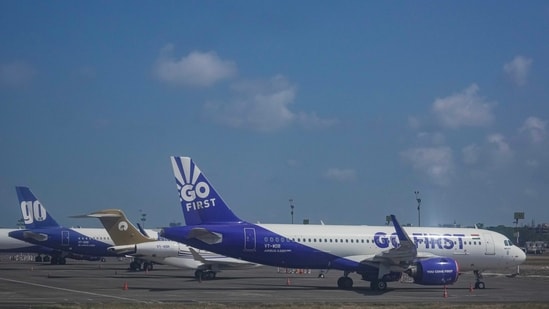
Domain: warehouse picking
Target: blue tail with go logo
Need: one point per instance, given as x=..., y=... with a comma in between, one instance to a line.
x=200, y=203
x=34, y=213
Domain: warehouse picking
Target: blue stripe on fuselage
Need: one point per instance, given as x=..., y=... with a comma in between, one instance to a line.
x=269, y=248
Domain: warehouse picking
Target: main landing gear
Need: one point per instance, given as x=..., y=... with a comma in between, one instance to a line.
x=345, y=283
x=200, y=274
x=479, y=284
x=137, y=266
x=378, y=285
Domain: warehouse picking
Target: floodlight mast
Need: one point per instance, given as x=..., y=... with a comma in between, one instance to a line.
x=292, y=209
x=418, y=208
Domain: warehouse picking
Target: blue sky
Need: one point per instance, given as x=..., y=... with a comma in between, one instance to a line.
x=347, y=107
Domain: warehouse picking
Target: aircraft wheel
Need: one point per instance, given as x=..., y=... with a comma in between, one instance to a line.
x=46, y=258
x=378, y=285
x=480, y=285
x=209, y=275
x=345, y=283
x=340, y=282
x=381, y=285
x=38, y=259
x=147, y=266
x=134, y=266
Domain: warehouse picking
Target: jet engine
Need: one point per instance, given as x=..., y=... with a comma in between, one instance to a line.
x=434, y=271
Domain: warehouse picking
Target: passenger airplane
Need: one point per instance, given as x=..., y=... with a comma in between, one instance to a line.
x=41, y=229
x=380, y=254
x=128, y=240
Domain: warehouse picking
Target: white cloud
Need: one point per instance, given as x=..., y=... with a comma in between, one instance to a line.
x=535, y=128
x=197, y=69
x=518, y=69
x=435, y=138
x=466, y=108
x=263, y=106
x=341, y=175
x=435, y=162
x=16, y=74
x=500, y=149
x=414, y=122
x=470, y=154
x=312, y=121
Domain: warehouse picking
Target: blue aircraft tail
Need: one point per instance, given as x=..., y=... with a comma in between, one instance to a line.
x=200, y=202
x=34, y=214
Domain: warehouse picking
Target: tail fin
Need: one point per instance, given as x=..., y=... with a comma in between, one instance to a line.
x=34, y=213
x=200, y=202
x=120, y=229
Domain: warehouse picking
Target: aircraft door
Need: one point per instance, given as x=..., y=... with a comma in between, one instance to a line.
x=249, y=239
x=64, y=238
x=489, y=242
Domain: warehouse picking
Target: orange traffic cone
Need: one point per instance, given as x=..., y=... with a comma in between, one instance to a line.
x=288, y=282
x=445, y=295
x=125, y=286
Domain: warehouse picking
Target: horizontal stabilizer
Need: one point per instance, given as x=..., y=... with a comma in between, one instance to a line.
x=206, y=236
x=35, y=236
x=97, y=215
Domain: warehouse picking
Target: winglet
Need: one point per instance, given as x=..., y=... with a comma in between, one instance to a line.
x=34, y=213
x=142, y=230
x=197, y=256
x=402, y=236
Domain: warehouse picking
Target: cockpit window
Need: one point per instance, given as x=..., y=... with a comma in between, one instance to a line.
x=508, y=243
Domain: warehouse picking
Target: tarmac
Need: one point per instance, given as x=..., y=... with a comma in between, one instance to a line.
x=26, y=284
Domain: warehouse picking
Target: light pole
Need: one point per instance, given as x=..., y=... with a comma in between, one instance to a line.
x=517, y=216
x=292, y=209
x=143, y=217
x=418, y=208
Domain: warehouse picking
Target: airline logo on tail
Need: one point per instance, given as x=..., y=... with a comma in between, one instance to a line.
x=122, y=226
x=33, y=211
x=194, y=193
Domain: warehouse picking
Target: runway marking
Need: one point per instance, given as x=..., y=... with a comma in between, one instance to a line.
x=70, y=290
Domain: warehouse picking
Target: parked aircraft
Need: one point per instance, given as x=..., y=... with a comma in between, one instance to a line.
x=42, y=230
x=380, y=254
x=145, y=249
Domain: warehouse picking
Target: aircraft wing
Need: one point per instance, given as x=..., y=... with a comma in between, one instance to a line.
x=224, y=261
x=394, y=259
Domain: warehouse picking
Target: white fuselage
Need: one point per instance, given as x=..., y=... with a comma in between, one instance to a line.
x=473, y=249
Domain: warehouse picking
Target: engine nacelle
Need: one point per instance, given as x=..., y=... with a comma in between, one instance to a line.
x=157, y=249
x=434, y=271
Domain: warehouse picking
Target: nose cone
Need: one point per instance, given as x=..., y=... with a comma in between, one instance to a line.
x=520, y=256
